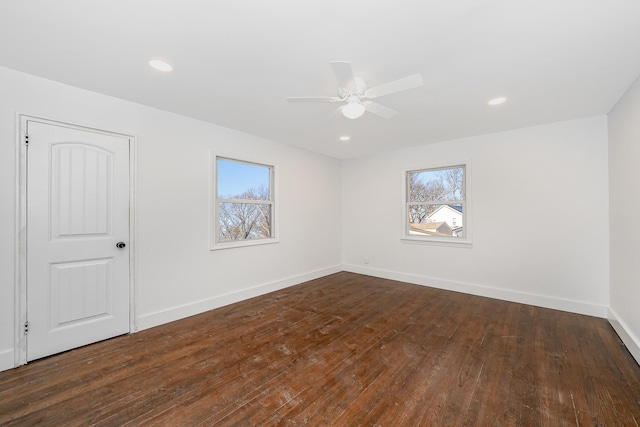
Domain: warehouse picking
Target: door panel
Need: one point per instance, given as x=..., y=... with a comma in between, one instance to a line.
x=82, y=177
x=80, y=291
x=77, y=210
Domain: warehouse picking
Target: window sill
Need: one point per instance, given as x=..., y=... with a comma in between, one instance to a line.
x=242, y=243
x=454, y=243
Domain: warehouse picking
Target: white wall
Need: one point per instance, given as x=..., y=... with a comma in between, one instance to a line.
x=177, y=274
x=624, y=192
x=524, y=248
x=525, y=186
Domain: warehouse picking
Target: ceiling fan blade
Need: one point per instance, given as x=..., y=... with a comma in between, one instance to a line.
x=395, y=86
x=344, y=74
x=379, y=110
x=314, y=99
x=334, y=114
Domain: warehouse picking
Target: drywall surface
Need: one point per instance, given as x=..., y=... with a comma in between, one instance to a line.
x=538, y=215
x=624, y=192
x=177, y=274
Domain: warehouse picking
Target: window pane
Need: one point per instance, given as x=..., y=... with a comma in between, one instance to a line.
x=436, y=185
x=436, y=220
x=244, y=221
x=239, y=180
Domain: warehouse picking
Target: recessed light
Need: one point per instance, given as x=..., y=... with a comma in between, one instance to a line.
x=497, y=101
x=345, y=138
x=156, y=64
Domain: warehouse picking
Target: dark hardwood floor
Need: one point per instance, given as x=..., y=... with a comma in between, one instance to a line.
x=344, y=350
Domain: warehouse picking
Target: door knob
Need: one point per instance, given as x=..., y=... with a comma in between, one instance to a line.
x=120, y=245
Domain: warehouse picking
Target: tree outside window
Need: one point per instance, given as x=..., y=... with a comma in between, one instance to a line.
x=244, y=202
x=435, y=202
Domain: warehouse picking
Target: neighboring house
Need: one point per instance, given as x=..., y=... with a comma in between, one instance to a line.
x=440, y=228
x=451, y=214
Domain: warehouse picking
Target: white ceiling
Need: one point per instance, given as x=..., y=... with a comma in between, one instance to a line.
x=235, y=61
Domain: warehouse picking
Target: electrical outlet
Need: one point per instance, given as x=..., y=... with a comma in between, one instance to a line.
x=366, y=260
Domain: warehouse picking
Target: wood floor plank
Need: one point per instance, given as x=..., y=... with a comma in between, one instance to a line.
x=370, y=323
x=344, y=350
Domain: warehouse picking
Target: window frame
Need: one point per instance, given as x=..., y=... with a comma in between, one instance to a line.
x=214, y=208
x=465, y=241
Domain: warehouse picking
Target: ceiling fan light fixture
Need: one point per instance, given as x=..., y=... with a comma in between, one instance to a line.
x=353, y=110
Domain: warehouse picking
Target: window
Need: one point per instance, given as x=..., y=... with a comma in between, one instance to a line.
x=436, y=205
x=244, y=206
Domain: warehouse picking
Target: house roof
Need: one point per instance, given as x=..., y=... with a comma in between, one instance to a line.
x=426, y=232
x=430, y=226
x=455, y=208
x=426, y=225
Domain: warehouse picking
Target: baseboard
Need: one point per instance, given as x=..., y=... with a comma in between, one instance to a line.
x=6, y=360
x=150, y=320
x=571, y=306
x=628, y=338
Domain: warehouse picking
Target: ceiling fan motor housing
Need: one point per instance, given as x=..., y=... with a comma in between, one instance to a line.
x=359, y=90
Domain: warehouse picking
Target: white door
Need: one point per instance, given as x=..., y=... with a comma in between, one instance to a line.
x=77, y=213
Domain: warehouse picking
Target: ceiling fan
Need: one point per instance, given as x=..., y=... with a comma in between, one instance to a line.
x=354, y=93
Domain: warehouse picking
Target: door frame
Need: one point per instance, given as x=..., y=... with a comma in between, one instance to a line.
x=21, y=226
